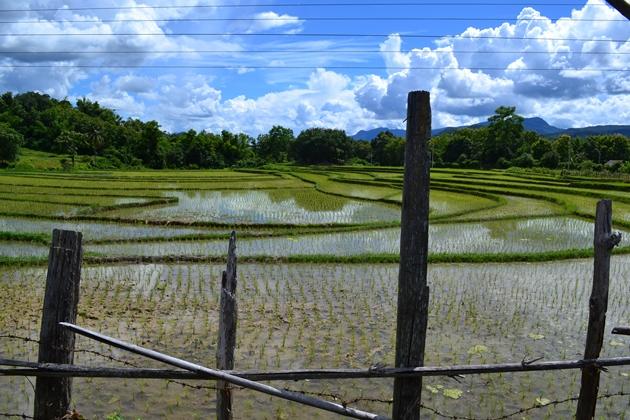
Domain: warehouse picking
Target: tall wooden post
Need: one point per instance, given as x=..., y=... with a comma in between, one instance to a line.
x=413, y=292
x=228, y=315
x=604, y=241
x=56, y=344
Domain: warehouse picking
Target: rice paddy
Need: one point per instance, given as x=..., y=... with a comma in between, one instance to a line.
x=294, y=314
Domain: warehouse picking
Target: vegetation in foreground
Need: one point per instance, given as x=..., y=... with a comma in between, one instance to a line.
x=154, y=249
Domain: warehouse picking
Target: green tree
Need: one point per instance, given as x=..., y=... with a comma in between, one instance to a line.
x=234, y=147
x=275, y=145
x=504, y=135
x=10, y=141
x=378, y=144
x=567, y=149
x=540, y=147
x=153, y=146
x=322, y=145
x=394, y=152
x=69, y=142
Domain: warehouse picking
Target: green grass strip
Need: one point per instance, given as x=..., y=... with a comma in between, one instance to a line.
x=39, y=238
x=441, y=258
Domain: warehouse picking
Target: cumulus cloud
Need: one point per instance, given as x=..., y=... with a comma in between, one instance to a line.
x=95, y=45
x=548, y=68
x=326, y=99
x=540, y=65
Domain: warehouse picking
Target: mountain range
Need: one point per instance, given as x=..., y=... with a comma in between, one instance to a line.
x=535, y=124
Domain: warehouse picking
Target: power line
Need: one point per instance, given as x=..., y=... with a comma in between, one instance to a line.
x=327, y=51
x=305, y=4
x=315, y=19
x=321, y=35
x=247, y=67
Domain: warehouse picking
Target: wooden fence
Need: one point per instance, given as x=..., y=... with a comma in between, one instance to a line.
x=55, y=369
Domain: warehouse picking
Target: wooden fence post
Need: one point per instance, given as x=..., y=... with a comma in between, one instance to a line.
x=413, y=292
x=228, y=315
x=604, y=241
x=56, y=344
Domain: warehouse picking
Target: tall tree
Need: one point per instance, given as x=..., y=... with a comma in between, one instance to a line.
x=10, y=141
x=322, y=145
x=504, y=135
x=274, y=146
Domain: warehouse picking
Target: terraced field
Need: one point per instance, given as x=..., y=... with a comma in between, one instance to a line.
x=317, y=281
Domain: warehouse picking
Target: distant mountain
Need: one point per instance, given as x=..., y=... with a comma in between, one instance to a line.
x=368, y=135
x=535, y=124
x=598, y=129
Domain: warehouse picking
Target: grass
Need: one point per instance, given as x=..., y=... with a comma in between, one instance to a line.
x=326, y=315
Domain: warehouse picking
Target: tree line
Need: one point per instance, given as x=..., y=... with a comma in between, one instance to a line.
x=39, y=122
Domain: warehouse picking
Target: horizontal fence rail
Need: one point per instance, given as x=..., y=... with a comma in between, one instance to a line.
x=22, y=368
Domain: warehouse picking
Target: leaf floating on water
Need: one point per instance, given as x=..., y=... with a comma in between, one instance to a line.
x=542, y=401
x=432, y=389
x=477, y=349
x=535, y=336
x=453, y=393
x=616, y=343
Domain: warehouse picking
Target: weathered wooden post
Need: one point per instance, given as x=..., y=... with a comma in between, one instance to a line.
x=56, y=344
x=228, y=315
x=413, y=292
x=604, y=241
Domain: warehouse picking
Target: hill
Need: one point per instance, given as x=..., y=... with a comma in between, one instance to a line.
x=535, y=124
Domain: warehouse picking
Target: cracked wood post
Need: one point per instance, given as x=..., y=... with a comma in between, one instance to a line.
x=56, y=344
x=228, y=315
x=604, y=241
x=413, y=292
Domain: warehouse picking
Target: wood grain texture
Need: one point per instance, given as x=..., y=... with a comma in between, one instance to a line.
x=604, y=241
x=56, y=344
x=228, y=316
x=413, y=292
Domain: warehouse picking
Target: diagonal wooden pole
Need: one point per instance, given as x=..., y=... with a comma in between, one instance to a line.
x=224, y=376
x=413, y=292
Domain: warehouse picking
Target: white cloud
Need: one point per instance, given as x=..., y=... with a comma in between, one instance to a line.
x=452, y=70
x=272, y=20
x=526, y=50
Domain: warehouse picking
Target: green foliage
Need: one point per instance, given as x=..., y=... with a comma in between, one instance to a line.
x=322, y=145
x=388, y=149
x=10, y=141
x=274, y=146
x=98, y=138
x=550, y=160
x=504, y=135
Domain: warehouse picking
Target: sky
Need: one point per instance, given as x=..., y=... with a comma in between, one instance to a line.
x=247, y=65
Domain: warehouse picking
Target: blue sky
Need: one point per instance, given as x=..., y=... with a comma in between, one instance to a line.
x=483, y=64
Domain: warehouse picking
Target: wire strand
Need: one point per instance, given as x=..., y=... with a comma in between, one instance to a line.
x=246, y=67
x=322, y=35
x=327, y=51
x=316, y=19
x=305, y=4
